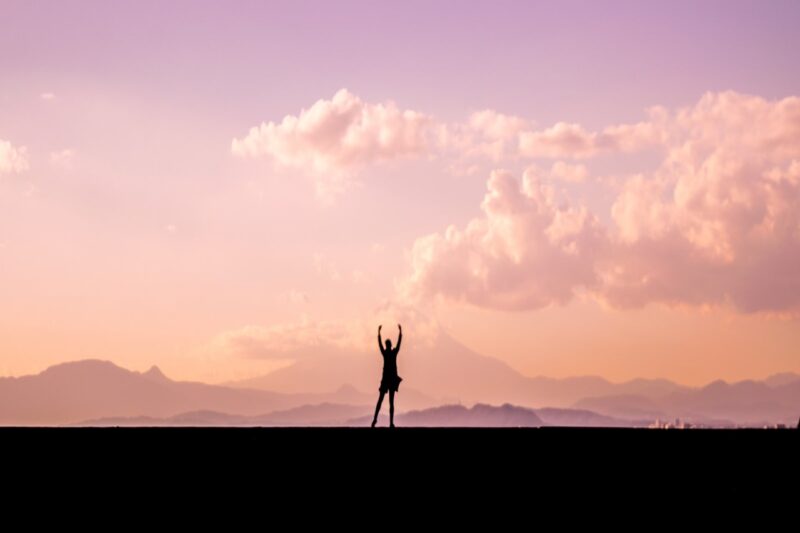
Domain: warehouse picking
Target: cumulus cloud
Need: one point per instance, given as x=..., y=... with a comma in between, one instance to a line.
x=717, y=223
x=529, y=249
x=560, y=140
x=499, y=137
x=12, y=160
x=569, y=173
x=486, y=133
x=334, y=137
x=569, y=140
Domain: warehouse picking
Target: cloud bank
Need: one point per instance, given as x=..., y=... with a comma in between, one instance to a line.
x=314, y=338
x=566, y=140
x=291, y=340
x=333, y=139
x=716, y=223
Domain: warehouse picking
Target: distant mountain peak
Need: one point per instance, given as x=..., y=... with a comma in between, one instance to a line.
x=479, y=415
x=716, y=385
x=155, y=374
x=782, y=378
x=82, y=366
x=347, y=388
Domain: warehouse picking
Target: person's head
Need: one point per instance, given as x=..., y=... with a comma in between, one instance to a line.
x=388, y=344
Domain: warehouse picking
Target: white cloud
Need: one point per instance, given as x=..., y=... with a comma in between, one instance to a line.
x=717, y=223
x=335, y=137
x=12, y=160
x=314, y=338
x=569, y=173
x=569, y=140
x=486, y=133
x=529, y=249
x=289, y=341
x=63, y=159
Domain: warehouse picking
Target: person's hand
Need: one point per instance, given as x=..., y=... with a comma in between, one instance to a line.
x=379, y=328
x=399, y=327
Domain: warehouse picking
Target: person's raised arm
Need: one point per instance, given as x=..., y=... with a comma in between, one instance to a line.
x=380, y=342
x=399, y=337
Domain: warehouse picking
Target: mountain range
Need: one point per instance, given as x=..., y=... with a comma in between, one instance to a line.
x=327, y=414
x=444, y=373
x=446, y=370
x=449, y=372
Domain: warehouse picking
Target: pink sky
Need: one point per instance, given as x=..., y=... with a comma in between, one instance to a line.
x=573, y=187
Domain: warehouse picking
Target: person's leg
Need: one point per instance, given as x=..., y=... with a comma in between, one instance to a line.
x=391, y=408
x=377, y=409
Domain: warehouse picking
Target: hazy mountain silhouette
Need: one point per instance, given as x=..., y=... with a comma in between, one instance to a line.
x=447, y=371
x=155, y=374
x=93, y=389
x=333, y=414
x=467, y=373
x=718, y=403
x=784, y=378
x=324, y=414
x=506, y=415
x=623, y=405
x=748, y=402
x=479, y=415
x=330, y=414
x=553, y=416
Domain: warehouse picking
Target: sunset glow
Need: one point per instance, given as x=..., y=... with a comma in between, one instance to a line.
x=573, y=188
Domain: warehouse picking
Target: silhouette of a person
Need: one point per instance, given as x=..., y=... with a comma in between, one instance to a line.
x=390, y=381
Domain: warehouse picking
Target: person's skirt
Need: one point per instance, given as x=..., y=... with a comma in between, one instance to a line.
x=390, y=383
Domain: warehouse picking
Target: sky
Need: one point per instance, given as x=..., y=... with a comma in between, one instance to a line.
x=576, y=188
